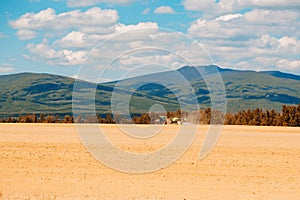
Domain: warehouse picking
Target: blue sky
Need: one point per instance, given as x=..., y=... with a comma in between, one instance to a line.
x=58, y=36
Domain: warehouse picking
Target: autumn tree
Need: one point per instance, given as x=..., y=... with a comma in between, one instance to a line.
x=68, y=119
x=145, y=119
x=136, y=120
x=109, y=119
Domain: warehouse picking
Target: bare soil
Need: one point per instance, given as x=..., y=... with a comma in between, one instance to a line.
x=48, y=161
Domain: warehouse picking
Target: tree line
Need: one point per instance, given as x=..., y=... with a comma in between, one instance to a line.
x=289, y=116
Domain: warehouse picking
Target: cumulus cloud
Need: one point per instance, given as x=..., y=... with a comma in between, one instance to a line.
x=78, y=29
x=167, y=60
x=263, y=37
x=77, y=32
x=269, y=45
x=164, y=10
x=56, y=57
x=281, y=4
x=243, y=65
x=228, y=6
x=77, y=39
x=258, y=38
x=73, y=48
x=48, y=19
x=262, y=53
x=144, y=48
x=24, y=34
x=74, y=39
x=229, y=17
x=211, y=6
x=289, y=65
x=143, y=27
x=253, y=23
x=271, y=17
x=217, y=29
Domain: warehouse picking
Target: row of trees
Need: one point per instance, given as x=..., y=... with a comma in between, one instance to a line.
x=289, y=116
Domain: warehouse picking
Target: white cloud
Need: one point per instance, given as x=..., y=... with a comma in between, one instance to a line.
x=229, y=17
x=217, y=29
x=251, y=24
x=56, y=57
x=164, y=10
x=48, y=19
x=146, y=11
x=77, y=39
x=143, y=47
x=142, y=27
x=281, y=4
x=247, y=41
x=257, y=39
x=268, y=45
x=85, y=3
x=288, y=42
x=44, y=51
x=73, y=39
x=72, y=48
x=271, y=17
x=167, y=60
x=289, y=65
x=244, y=66
x=78, y=29
x=5, y=67
x=35, y=20
x=196, y=5
x=213, y=7
x=24, y=34
x=262, y=53
x=266, y=60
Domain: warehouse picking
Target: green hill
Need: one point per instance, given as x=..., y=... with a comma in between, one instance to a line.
x=28, y=93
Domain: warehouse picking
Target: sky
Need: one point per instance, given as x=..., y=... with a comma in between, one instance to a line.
x=114, y=39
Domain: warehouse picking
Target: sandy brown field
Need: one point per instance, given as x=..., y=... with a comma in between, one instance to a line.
x=48, y=162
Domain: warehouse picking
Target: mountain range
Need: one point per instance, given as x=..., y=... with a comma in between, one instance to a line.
x=28, y=93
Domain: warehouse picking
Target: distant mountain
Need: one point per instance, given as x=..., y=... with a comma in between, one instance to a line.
x=28, y=93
